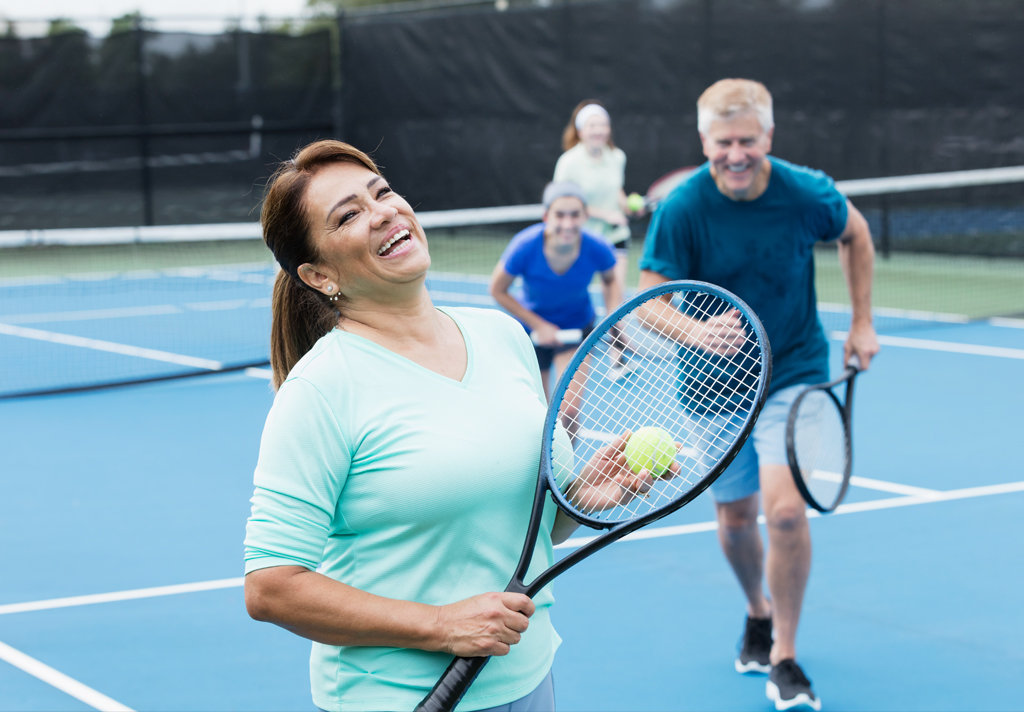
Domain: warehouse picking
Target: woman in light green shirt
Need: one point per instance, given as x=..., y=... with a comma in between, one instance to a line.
x=398, y=463
x=594, y=163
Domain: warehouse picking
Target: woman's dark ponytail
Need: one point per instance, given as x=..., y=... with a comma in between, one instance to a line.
x=300, y=319
x=301, y=315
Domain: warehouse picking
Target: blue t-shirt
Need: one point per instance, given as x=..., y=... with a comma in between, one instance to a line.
x=561, y=299
x=761, y=250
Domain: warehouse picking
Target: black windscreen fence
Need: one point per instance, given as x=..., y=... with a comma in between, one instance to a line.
x=465, y=106
x=468, y=108
x=154, y=128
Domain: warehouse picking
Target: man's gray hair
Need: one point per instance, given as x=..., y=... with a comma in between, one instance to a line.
x=729, y=98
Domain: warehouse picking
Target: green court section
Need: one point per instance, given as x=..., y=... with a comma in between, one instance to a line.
x=975, y=287
x=62, y=260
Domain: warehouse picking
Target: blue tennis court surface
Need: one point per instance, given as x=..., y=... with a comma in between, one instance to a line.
x=122, y=515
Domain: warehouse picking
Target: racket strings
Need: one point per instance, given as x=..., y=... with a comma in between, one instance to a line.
x=700, y=393
x=821, y=448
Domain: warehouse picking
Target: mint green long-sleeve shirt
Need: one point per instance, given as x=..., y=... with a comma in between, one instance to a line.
x=398, y=481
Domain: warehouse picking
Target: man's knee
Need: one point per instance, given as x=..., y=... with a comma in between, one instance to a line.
x=738, y=515
x=787, y=517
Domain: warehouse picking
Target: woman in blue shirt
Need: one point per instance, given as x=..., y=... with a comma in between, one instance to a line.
x=557, y=260
x=388, y=510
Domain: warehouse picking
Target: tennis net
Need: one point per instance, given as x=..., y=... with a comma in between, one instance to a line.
x=95, y=307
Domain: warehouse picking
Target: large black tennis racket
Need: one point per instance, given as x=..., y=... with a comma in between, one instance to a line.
x=700, y=365
x=819, y=440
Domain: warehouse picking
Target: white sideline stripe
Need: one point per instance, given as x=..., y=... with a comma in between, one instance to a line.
x=462, y=297
x=932, y=496
x=458, y=277
x=120, y=313
x=1004, y=321
x=880, y=485
x=915, y=314
x=121, y=595
x=656, y=533
x=109, y=346
x=61, y=681
x=948, y=346
x=88, y=314
x=264, y=373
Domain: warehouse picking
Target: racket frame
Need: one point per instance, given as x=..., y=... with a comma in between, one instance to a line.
x=461, y=673
x=846, y=415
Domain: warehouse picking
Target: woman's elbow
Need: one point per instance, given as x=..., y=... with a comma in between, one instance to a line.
x=256, y=604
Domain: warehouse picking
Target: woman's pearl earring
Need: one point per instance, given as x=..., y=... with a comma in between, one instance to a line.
x=330, y=288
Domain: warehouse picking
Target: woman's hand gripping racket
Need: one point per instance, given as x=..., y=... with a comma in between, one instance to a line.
x=819, y=441
x=700, y=368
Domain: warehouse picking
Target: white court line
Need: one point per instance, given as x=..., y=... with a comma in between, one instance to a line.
x=1006, y=322
x=104, y=703
x=911, y=314
x=948, y=346
x=462, y=297
x=880, y=485
x=930, y=497
x=89, y=314
x=871, y=505
x=120, y=595
x=109, y=346
x=61, y=681
x=122, y=312
x=264, y=373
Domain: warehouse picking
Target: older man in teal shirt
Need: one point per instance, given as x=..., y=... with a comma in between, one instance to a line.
x=749, y=222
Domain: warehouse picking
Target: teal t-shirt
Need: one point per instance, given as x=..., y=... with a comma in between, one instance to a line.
x=404, y=483
x=761, y=250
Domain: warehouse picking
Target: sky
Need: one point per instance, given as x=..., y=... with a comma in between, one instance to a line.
x=193, y=15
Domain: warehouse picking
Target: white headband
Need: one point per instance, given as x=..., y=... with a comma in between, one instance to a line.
x=588, y=111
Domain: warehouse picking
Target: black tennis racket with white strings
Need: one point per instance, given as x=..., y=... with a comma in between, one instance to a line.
x=819, y=440
x=700, y=366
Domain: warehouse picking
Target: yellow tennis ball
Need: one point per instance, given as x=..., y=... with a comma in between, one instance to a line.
x=635, y=202
x=650, y=449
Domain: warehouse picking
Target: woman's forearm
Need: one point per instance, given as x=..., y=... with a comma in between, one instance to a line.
x=329, y=612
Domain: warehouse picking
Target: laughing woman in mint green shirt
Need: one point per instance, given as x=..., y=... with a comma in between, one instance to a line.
x=398, y=463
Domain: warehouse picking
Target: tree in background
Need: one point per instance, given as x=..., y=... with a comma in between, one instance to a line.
x=60, y=26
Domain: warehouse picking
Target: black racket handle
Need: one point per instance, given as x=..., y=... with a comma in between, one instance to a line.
x=452, y=685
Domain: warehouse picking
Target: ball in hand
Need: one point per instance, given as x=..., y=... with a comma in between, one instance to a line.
x=635, y=202
x=650, y=449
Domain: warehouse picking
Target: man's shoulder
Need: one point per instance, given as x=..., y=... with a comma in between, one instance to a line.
x=801, y=179
x=692, y=188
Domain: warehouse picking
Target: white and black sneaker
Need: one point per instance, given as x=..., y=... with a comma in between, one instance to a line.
x=789, y=688
x=756, y=647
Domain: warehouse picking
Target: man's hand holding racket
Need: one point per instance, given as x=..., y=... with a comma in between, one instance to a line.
x=723, y=334
x=862, y=342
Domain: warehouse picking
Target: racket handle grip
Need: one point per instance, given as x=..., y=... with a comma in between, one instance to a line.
x=452, y=685
x=855, y=362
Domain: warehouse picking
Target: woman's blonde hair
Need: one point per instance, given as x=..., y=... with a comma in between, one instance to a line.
x=301, y=315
